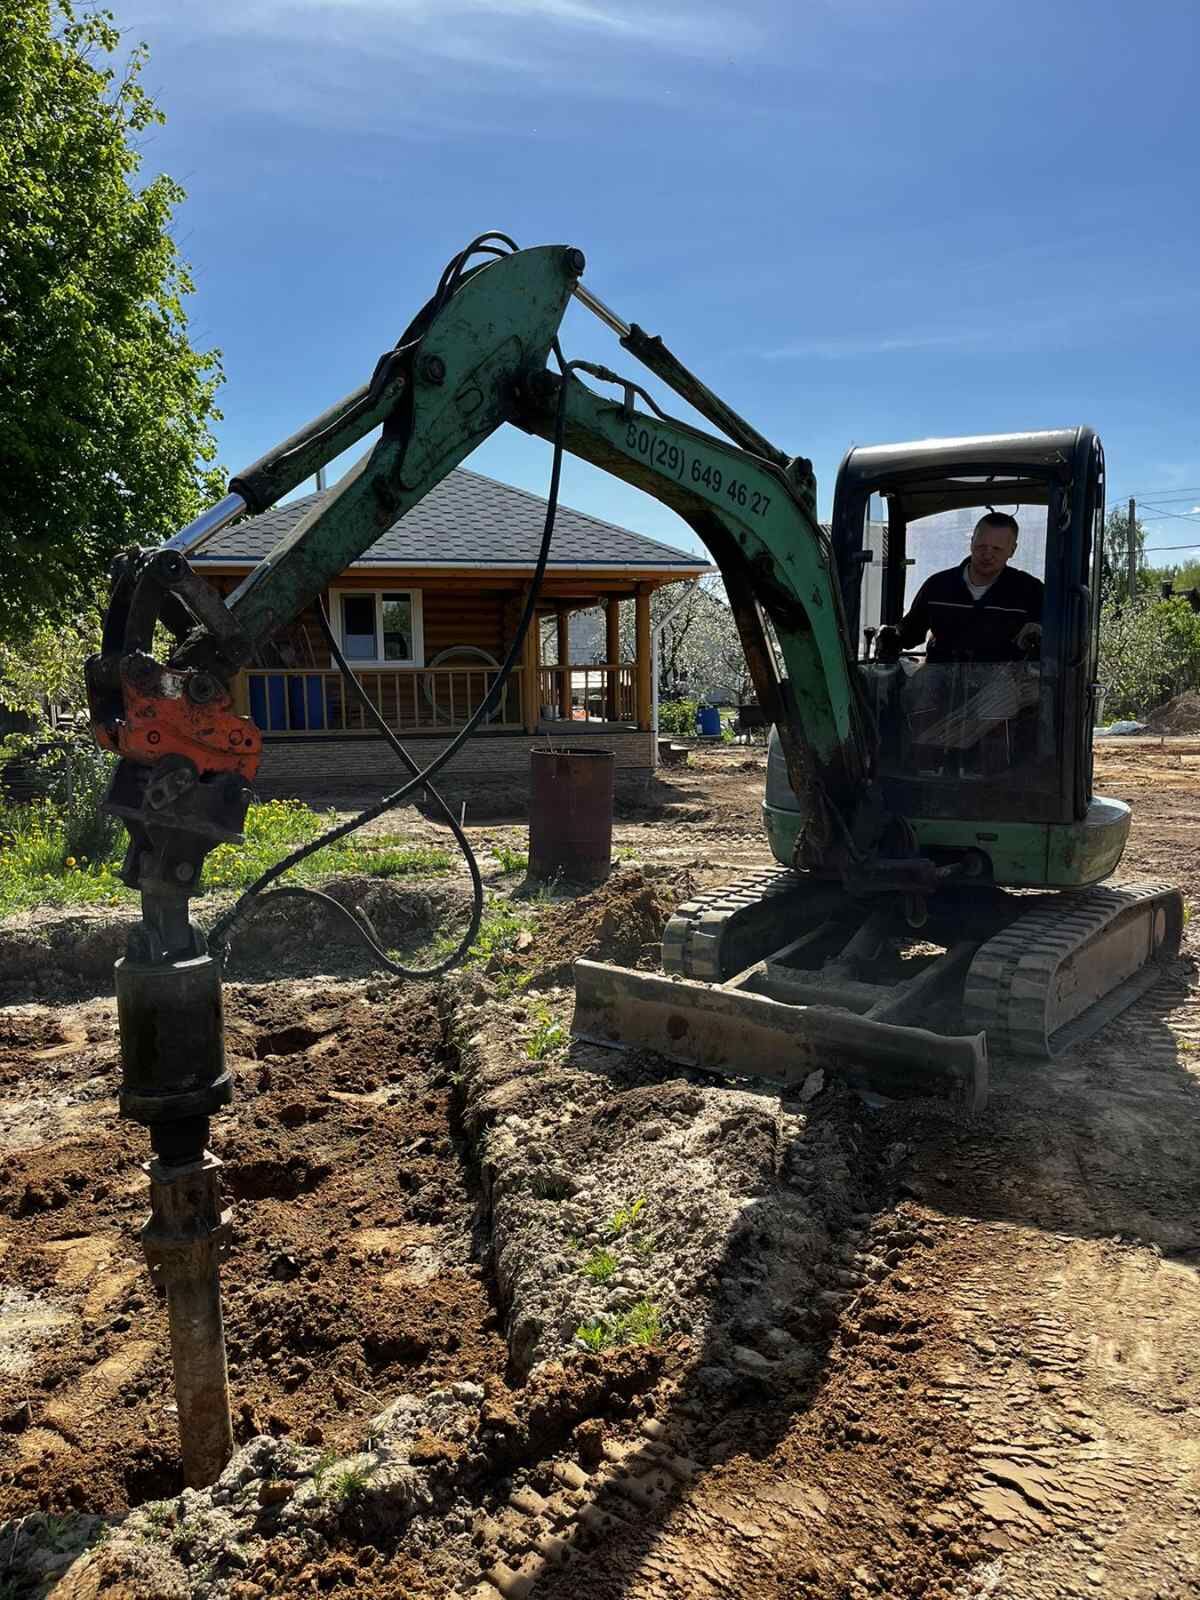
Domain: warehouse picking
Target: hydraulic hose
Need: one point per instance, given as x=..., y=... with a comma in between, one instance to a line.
x=421, y=778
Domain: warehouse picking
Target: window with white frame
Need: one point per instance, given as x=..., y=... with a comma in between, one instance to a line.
x=380, y=627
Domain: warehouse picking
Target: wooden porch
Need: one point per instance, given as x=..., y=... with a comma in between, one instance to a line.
x=289, y=701
x=304, y=695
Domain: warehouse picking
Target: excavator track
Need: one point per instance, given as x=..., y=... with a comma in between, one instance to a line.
x=716, y=934
x=1053, y=976
x=1061, y=972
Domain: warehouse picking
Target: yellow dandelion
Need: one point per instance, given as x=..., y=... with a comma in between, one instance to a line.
x=70, y=861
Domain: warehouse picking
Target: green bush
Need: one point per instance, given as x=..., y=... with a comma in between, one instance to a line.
x=676, y=716
x=78, y=783
x=1149, y=652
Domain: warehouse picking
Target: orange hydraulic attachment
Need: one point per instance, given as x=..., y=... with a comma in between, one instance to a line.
x=163, y=718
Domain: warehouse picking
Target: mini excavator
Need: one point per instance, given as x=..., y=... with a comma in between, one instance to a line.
x=938, y=843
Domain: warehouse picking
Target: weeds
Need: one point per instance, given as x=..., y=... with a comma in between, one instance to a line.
x=346, y=1486
x=511, y=860
x=626, y=1216
x=641, y=1324
x=502, y=925
x=549, y=1036
x=59, y=1533
x=158, y=1519
x=600, y=1266
x=595, y=1335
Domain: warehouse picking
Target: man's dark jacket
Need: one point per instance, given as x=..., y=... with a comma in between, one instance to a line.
x=1012, y=591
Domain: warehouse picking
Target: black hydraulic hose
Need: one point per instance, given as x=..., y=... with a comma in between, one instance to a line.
x=354, y=685
x=218, y=936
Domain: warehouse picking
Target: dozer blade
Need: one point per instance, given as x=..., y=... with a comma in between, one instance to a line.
x=739, y=1034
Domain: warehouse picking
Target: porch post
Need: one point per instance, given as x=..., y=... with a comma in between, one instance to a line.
x=641, y=619
x=531, y=689
x=612, y=655
x=562, y=620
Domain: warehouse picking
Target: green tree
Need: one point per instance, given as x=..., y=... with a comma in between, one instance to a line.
x=1182, y=576
x=104, y=405
x=1149, y=652
x=1116, y=550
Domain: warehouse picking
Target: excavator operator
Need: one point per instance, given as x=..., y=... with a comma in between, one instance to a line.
x=980, y=610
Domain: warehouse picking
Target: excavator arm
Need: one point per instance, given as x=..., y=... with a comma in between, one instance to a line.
x=465, y=366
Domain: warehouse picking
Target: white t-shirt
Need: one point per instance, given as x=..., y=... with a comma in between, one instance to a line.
x=978, y=590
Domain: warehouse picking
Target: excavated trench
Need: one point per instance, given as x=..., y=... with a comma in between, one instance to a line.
x=417, y=1207
x=511, y=1317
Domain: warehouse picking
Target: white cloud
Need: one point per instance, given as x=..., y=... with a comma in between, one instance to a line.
x=441, y=27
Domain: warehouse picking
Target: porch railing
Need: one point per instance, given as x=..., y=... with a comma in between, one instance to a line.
x=410, y=699
x=605, y=693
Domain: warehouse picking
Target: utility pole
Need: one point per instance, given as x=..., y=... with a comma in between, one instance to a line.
x=1132, y=550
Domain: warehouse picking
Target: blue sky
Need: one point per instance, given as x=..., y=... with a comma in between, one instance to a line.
x=857, y=221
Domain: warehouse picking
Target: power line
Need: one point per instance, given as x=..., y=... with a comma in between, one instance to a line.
x=1154, y=549
x=1170, y=492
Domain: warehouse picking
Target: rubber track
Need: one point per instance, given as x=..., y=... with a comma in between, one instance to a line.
x=1008, y=987
x=697, y=939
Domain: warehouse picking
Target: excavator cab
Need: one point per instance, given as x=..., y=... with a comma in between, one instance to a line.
x=992, y=733
x=988, y=747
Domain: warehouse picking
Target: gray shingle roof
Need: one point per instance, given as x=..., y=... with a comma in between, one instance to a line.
x=468, y=521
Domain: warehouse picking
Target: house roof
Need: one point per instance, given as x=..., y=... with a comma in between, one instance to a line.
x=467, y=520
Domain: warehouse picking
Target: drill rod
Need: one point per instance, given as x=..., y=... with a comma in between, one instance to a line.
x=183, y=1241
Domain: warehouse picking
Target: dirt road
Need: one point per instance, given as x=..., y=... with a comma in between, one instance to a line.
x=887, y=1353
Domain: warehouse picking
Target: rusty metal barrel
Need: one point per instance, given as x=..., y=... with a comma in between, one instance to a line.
x=570, y=814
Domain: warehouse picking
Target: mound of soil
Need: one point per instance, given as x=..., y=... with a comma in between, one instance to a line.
x=53, y=954
x=621, y=922
x=1180, y=715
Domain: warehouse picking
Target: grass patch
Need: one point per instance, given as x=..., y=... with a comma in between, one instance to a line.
x=418, y=860
x=641, y=1324
x=38, y=867
x=600, y=1266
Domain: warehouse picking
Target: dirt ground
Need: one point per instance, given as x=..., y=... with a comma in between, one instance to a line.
x=889, y=1353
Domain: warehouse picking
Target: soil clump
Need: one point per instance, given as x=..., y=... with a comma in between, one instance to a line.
x=621, y=922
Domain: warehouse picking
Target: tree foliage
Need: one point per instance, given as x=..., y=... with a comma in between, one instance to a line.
x=104, y=405
x=1117, y=535
x=699, y=649
x=44, y=670
x=1149, y=652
